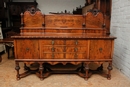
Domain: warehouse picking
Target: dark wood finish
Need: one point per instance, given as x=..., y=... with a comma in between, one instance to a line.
x=3, y=13
x=15, y=9
x=8, y=42
x=54, y=39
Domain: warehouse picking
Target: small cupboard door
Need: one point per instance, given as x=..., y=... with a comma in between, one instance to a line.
x=100, y=49
x=27, y=49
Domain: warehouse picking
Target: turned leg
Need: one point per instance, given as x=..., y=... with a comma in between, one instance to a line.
x=26, y=67
x=100, y=68
x=109, y=70
x=41, y=71
x=17, y=68
x=87, y=71
x=81, y=69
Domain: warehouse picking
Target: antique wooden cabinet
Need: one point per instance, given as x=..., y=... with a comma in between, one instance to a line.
x=53, y=39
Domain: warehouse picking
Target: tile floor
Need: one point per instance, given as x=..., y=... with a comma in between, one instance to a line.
x=8, y=78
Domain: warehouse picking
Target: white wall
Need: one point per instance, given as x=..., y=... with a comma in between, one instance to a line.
x=47, y=6
x=120, y=27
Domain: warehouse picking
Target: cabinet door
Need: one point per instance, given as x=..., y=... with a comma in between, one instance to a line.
x=27, y=49
x=100, y=49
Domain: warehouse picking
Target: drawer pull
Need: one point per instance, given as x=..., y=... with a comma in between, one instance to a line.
x=75, y=49
x=53, y=42
x=75, y=56
x=76, y=42
x=53, y=49
x=27, y=49
x=52, y=55
x=100, y=49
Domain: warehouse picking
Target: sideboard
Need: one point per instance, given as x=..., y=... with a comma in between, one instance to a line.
x=62, y=38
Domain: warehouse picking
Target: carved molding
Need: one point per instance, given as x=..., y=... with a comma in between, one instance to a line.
x=94, y=11
x=32, y=10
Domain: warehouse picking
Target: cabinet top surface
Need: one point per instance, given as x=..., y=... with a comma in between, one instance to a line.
x=56, y=35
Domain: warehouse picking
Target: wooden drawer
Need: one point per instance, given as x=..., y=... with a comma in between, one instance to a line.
x=51, y=42
x=76, y=56
x=76, y=42
x=45, y=49
x=52, y=56
x=76, y=49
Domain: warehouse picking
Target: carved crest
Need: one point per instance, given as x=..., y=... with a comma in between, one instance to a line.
x=94, y=11
x=32, y=10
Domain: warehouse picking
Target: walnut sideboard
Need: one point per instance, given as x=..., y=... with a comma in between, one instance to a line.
x=62, y=38
x=64, y=49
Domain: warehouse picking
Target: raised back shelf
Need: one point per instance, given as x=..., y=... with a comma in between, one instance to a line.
x=92, y=22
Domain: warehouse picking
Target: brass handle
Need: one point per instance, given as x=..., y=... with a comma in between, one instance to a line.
x=52, y=55
x=75, y=49
x=53, y=49
x=76, y=42
x=27, y=49
x=75, y=56
x=100, y=49
x=52, y=42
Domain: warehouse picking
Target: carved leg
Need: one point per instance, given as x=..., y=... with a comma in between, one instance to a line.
x=100, y=68
x=41, y=71
x=87, y=71
x=81, y=69
x=109, y=70
x=17, y=68
x=25, y=67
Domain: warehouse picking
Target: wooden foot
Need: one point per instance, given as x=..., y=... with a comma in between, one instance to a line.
x=26, y=67
x=109, y=71
x=41, y=71
x=17, y=68
x=87, y=71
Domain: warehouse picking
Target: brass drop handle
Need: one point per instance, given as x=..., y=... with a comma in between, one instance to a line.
x=52, y=55
x=76, y=42
x=52, y=42
x=100, y=49
x=53, y=49
x=75, y=55
x=75, y=49
x=27, y=49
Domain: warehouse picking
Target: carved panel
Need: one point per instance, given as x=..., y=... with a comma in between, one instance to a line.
x=94, y=20
x=33, y=20
x=64, y=21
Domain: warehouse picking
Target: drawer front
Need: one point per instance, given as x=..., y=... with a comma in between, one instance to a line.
x=63, y=49
x=100, y=49
x=76, y=56
x=76, y=49
x=45, y=49
x=76, y=42
x=52, y=56
x=52, y=42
